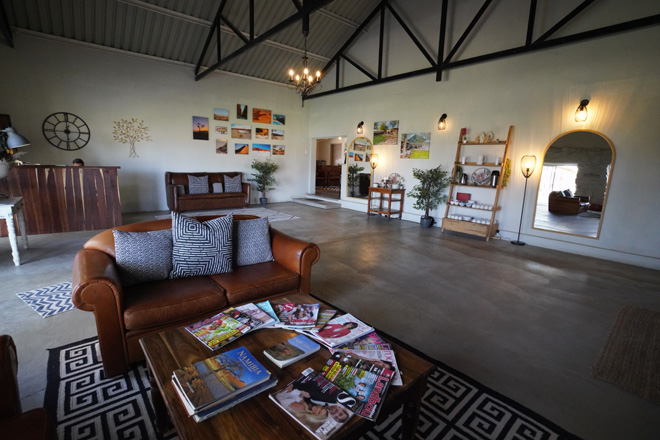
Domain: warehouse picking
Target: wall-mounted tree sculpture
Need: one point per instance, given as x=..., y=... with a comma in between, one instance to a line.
x=130, y=131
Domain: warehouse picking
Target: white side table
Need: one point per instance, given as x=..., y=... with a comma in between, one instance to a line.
x=9, y=207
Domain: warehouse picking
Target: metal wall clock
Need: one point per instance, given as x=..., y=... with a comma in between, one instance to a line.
x=66, y=131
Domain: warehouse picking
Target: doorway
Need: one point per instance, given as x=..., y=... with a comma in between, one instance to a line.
x=329, y=161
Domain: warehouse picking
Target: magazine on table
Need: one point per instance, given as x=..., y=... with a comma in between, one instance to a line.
x=370, y=341
x=268, y=308
x=243, y=317
x=217, y=408
x=367, y=388
x=341, y=330
x=292, y=350
x=218, y=379
x=218, y=330
x=316, y=403
x=375, y=361
x=257, y=314
x=293, y=315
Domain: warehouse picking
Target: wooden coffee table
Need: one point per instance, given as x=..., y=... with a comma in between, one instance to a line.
x=260, y=417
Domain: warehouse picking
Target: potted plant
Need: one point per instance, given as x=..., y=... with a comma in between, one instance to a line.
x=429, y=191
x=353, y=178
x=263, y=177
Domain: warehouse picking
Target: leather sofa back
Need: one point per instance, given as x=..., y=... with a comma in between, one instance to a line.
x=173, y=178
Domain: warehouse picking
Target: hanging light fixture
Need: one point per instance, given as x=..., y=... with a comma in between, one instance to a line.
x=581, y=113
x=442, y=123
x=304, y=82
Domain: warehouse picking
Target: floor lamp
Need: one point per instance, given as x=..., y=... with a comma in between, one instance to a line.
x=374, y=164
x=527, y=165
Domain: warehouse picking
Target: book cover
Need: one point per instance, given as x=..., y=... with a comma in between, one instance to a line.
x=292, y=315
x=341, y=330
x=375, y=361
x=315, y=403
x=219, y=378
x=224, y=406
x=217, y=331
x=367, y=388
x=290, y=351
x=262, y=318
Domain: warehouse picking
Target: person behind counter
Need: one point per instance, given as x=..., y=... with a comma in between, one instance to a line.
x=77, y=162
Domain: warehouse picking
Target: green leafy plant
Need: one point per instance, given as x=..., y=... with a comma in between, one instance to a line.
x=263, y=175
x=353, y=178
x=507, y=173
x=429, y=190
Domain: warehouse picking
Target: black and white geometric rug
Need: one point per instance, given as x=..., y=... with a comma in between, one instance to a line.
x=85, y=405
x=49, y=301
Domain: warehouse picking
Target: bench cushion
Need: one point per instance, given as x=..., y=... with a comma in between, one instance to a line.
x=256, y=281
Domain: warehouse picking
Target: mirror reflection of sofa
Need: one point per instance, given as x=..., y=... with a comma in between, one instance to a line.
x=564, y=202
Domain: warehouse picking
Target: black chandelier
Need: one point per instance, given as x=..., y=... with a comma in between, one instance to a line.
x=304, y=82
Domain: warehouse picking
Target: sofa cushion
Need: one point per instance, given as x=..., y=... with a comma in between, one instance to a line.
x=252, y=242
x=143, y=256
x=568, y=193
x=217, y=187
x=155, y=303
x=198, y=185
x=256, y=281
x=233, y=184
x=201, y=248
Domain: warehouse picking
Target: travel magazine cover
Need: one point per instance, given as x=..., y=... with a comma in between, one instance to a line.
x=367, y=388
x=218, y=330
x=218, y=379
x=341, y=330
x=375, y=361
x=315, y=403
x=290, y=351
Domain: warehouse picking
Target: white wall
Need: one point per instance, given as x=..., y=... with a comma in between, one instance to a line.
x=41, y=77
x=537, y=94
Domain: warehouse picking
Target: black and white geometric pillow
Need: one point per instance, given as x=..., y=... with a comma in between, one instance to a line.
x=252, y=242
x=201, y=248
x=143, y=256
x=233, y=184
x=198, y=185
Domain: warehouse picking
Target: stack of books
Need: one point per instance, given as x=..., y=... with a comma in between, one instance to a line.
x=292, y=350
x=214, y=385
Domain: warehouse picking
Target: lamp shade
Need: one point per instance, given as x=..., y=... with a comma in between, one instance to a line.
x=527, y=165
x=374, y=161
x=360, y=128
x=15, y=140
x=581, y=113
x=442, y=123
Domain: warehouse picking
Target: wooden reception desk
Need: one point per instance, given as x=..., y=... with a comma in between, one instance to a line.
x=64, y=198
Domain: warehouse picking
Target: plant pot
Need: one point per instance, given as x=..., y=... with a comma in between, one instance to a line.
x=263, y=201
x=426, y=222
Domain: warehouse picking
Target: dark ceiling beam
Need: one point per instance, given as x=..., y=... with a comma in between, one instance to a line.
x=381, y=40
x=530, y=22
x=215, y=25
x=251, y=20
x=571, y=15
x=236, y=30
x=359, y=67
x=441, y=43
x=4, y=25
x=468, y=30
x=412, y=36
x=652, y=20
x=297, y=4
x=314, y=5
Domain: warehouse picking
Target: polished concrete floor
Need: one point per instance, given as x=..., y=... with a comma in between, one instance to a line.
x=525, y=321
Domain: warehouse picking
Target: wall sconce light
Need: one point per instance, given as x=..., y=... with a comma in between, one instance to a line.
x=360, y=128
x=527, y=165
x=581, y=113
x=442, y=123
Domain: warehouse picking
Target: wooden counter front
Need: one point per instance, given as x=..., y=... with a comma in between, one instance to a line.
x=64, y=198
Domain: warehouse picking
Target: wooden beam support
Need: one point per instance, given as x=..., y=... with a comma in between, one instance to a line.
x=441, y=43
x=582, y=6
x=467, y=31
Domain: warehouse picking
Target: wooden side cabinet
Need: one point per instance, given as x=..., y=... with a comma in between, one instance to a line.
x=381, y=199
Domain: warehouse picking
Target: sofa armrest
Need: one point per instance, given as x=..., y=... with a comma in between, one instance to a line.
x=172, y=197
x=97, y=288
x=246, y=190
x=10, y=398
x=295, y=255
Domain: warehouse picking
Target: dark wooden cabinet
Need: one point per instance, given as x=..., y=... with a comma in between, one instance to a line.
x=64, y=198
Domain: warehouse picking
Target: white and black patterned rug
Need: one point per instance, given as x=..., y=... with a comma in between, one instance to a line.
x=49, y=301
x=85, y=405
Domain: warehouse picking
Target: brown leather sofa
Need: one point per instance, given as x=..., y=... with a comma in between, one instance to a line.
x=179, y=198
x=14, y=423
x=124, y=314
x=558, y=203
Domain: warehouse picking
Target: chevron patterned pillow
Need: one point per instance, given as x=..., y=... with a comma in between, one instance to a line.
x=198, y=185
x=143, y=256
x=201, y=248
x=233, y=184
x=252, y=242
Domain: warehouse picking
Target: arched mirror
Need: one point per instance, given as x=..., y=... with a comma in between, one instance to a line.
x=359, y=171
x=575, y=178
